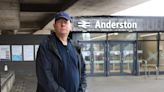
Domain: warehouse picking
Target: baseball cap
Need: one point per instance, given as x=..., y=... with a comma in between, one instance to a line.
x=62, y=14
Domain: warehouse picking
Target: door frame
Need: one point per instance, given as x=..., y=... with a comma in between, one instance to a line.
x=121, y=50
x=106, y=54
x=92, y=67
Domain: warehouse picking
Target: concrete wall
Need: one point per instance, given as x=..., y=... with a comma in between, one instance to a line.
x=21, y=69
x=21, y=39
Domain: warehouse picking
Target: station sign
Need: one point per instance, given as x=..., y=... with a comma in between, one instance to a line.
x=117, y=24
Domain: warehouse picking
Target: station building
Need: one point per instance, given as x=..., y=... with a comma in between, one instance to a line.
x=111, y=45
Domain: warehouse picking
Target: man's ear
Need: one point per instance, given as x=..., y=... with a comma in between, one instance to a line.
x=54, y=24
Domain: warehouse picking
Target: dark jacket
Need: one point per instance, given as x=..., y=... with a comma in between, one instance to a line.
x=49, y=68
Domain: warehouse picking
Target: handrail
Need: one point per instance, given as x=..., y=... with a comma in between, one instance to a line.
x=147, y=70
x=157, y=72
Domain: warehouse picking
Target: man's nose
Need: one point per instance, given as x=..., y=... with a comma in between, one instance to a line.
x=63, y=24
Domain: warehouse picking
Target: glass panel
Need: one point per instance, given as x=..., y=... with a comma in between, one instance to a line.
x=122, y=36
x=98, y=52
x=89, y=36
x=128, y=57
x=114, y=57
x=86, y=53
x=147, y=36
x=162, y=36
x=28, y=52
x=161, y=48
x=149, y=54
x=17, y=53
x=4, y=52
x=140, y=54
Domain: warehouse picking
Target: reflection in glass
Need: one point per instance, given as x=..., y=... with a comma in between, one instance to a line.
x=98, y=58
x=128, y=57
x=162, y=35
x=89, y=36
x=147, y=36
x=161, y=62
x=122, y=36
x=121, y=57
x=86, y=53
x=149, y=53
x=86, y=47
x=114, y=57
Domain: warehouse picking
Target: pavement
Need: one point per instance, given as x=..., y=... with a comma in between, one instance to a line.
x=24, y=84
x=104, y=84
x=126, y=84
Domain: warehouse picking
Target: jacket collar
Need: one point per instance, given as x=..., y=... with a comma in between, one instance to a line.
x=52, y=45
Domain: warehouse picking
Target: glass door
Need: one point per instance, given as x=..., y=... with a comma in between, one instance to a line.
x=93, y=54
x=128, y=57
x=86, y=53
x=98, y=58
x=120, y=57
x=114, y=58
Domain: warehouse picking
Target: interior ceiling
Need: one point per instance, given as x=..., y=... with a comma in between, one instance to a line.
x=28, y=16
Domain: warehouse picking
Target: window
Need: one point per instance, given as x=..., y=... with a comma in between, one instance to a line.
x=162, y=36
x=28, y=52
x=4, y=52
x=161, y=62
x=89, y=36
x=122, y=36
x=147, y=36
x=17, y=53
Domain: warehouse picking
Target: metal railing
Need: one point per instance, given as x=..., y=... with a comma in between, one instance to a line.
x=147, y=69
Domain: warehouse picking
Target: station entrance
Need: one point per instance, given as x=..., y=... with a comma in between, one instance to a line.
x=121, y=58
x=108, y=57
x=118, y=45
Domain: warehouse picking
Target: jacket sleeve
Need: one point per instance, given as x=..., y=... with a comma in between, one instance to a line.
x=45, y=78
x=83, y=83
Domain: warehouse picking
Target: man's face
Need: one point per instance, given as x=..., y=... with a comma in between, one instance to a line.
x=62, y=26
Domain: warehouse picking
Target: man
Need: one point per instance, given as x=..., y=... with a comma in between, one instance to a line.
x=59, y=66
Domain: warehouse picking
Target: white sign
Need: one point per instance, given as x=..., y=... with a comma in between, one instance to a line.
x=28, y=52
x=4, y=52
x=117, y=25
x=16, y=52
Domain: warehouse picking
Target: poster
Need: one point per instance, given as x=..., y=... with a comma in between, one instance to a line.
x=16, y=52
x=4, y=52
x=28, y=52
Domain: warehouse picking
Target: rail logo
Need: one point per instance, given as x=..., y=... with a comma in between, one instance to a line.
x=84, y=24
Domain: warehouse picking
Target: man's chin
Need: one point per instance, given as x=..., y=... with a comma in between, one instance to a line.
x=64, y=33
